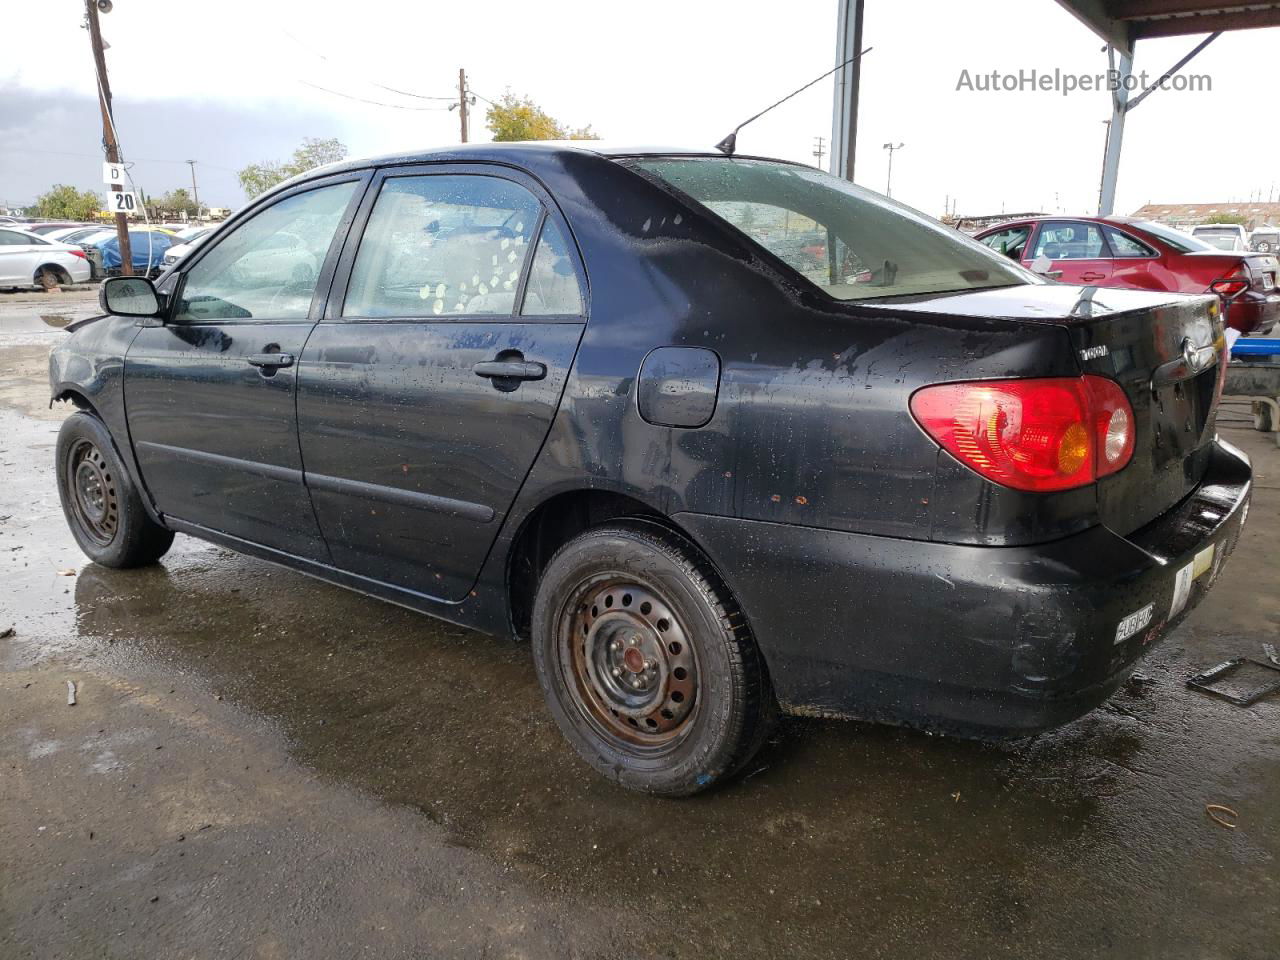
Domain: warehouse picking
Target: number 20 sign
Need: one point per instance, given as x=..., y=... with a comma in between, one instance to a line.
x=122, y=201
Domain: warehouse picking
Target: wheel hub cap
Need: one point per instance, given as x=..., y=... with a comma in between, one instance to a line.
x=634, y=669
x=92, y=492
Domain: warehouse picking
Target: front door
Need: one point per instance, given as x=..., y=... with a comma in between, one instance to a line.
x=426, y=392
x=1075, y=249
x=210, y=393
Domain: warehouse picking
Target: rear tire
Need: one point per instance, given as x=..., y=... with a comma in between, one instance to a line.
x=103, y=507
x=646, y=661
x=47, y=280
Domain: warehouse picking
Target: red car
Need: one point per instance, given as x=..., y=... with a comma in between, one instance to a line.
x=1120, y=252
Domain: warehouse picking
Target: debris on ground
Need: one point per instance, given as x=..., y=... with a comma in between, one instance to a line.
x=67, y=572
x=1216, y=812
x=71, y=693
x=1242, y=681
x=7, y=632
x=1270, y=650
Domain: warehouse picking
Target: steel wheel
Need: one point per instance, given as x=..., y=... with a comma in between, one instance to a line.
x=94, y=501
x=627, y=659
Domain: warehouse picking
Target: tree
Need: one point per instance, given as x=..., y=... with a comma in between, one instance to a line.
x=68, y=203
x=178, y=201
x=519, y=118
x=258, y=178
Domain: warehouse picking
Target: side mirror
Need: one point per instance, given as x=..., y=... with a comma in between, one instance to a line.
x=129, y=297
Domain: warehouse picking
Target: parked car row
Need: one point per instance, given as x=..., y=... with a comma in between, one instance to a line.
x=94, y=245
x=1142, y=255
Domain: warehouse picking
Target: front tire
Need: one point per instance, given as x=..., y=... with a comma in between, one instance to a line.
x=647, y=664
x=103, y=507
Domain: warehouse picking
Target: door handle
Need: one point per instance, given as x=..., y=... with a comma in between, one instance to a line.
x=510, y=369
x=1093, y=276
x=270, y=360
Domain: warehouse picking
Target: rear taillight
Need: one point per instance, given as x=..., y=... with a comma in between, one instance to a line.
x=1037, y=435
x=1233, y=284
x=78, y=253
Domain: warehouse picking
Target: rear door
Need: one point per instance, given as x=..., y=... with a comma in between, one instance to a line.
x=210, y=392
x=1131, y=261
x=426, y=392
x=1074, y=248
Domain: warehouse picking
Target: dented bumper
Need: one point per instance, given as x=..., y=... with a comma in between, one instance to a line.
x=969, y=639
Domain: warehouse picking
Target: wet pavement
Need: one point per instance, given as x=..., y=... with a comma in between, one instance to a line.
x=261, y=765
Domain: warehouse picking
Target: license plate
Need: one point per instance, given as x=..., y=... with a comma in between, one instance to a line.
x=1134, y=622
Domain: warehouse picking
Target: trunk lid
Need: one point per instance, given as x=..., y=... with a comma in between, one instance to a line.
x=1168, y=358
x=1166, y=351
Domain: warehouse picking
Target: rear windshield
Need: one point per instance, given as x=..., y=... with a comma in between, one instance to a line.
x=1182, y=242
x=851, y=243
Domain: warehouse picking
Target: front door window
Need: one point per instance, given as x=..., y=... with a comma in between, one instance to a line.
x=266, y=268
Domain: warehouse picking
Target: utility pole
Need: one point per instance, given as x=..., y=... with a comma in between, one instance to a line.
x=194, y=192
x=109, y=143
x=888, y=184
x=820, y=149
x=462, y=101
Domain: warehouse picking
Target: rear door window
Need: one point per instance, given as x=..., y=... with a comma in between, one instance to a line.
x=552, y=288
x=441, y=245
x=1125, y=247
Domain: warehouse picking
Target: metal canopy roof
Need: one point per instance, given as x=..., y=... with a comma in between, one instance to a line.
x=1124, y=22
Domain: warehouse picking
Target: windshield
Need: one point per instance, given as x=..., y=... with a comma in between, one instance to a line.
x=1182, y=242
x=1221, y=241
x=851, y=243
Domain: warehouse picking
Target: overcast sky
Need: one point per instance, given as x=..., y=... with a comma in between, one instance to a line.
x=222, y=82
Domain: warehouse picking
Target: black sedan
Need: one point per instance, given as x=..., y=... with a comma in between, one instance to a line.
x=721, y=436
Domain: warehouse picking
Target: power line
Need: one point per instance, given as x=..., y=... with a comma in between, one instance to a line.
x=374, y=83
x=127, y=163
x=376, y=103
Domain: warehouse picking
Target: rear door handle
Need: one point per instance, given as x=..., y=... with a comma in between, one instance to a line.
x=270, y=359
x=1093, y=276
x=510, y=369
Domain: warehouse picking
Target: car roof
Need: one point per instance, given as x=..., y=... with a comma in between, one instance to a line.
x=1056, y=218
x=516, y=153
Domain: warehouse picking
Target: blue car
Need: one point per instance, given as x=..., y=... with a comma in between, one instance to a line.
x=147, y=248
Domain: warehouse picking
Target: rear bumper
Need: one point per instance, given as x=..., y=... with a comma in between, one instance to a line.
x=988, y=641
x=1254, y=314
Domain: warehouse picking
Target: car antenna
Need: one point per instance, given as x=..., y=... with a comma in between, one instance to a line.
x=730, y=143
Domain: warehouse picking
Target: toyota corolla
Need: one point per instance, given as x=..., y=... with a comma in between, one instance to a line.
x=719, y=436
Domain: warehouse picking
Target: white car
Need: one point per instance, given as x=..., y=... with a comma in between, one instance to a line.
x=28, y=260
x=1224, y=236
x=187, y=244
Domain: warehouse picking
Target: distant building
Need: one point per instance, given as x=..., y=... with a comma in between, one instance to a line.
x=1189, y=214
